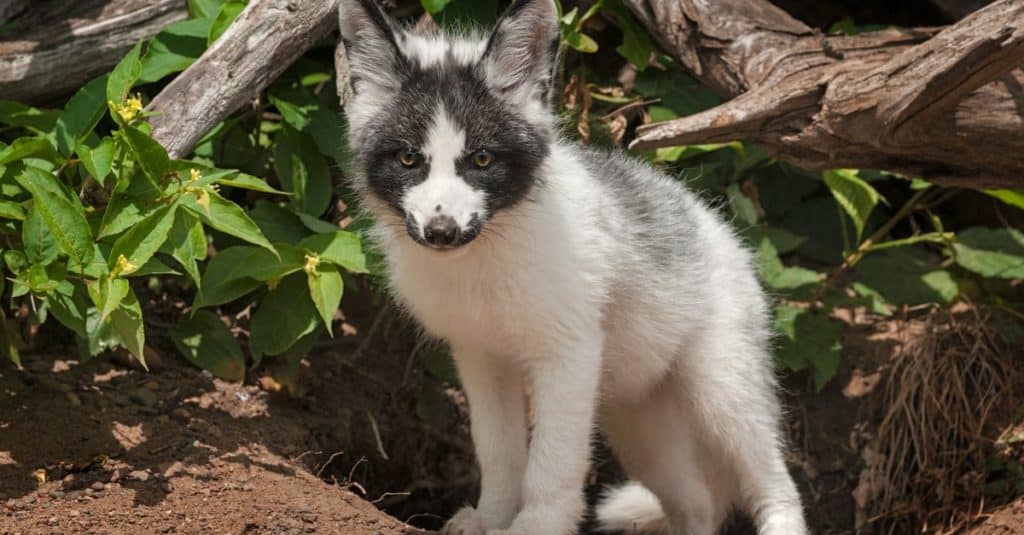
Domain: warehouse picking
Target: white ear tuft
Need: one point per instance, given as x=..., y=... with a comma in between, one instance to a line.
x=521, y=51
x=370, y=40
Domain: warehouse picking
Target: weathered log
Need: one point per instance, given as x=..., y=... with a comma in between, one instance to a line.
x=52, y=48
x=947, y=105
x=267, y=37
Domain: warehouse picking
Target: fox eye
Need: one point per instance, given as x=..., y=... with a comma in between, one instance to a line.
x=409, y=157
x=482, y=158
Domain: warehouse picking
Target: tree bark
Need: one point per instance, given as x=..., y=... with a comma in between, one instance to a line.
x=945, y=104
x=54, y=47
x=267, y=37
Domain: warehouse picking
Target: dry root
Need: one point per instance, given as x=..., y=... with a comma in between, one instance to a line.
x=926, y=466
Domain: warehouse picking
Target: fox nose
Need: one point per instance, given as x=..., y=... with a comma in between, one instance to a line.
x=441, y=231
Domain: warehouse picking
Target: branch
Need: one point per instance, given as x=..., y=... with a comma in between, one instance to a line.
x=947, y=105
x=267, y=37
x=56, y=47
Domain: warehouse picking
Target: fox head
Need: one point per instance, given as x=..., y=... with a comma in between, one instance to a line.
x=446, y=131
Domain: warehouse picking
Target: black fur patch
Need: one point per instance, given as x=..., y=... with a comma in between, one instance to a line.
x=518, y=148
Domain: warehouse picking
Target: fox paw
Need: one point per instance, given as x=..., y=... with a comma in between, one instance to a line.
x=465, y=522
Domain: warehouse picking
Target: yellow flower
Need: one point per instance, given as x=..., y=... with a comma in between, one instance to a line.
x=130, y=109
x=123, y=266
x=312, y=261
x=194, y=174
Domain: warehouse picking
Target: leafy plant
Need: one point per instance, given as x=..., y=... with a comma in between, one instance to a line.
x=90, y=204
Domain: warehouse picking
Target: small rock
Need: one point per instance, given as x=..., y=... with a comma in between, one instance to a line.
x=56, y=493
x=309, y=518
x=144, y=397
x=140, y=475
x=181, y=415
x=97, y=486
x=115, y=476
x=175, y=469
x=166, y=487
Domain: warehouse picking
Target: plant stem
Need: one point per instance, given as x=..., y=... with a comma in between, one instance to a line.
x=855, y=256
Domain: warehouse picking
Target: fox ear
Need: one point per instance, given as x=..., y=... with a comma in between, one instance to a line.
x=522, y=49
x=369, y=37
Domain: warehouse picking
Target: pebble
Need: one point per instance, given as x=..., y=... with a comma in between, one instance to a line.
x=140, y=475
x=97, y=486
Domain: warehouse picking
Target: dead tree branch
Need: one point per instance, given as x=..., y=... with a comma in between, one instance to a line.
x=53, y=48
x=947, y=105
x=267, y=37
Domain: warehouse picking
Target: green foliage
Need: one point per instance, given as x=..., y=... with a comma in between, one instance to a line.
x=91, y=203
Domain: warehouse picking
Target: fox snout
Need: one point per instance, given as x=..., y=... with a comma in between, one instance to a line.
x=442, y=231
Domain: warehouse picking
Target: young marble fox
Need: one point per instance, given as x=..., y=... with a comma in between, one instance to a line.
x=587, y=282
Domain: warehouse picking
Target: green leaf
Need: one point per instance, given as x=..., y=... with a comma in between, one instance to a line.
x=204, y=9
x=22, y=116
x=81, y=114
x=906, y=276
x=24, y=147
x=107, y=293
x=743, y=209
x=66, y=221
x=126, y=322
x=580, y=41
x=124, y=210
x=325, y=288
x=777, y=276
x=124, y=75
x=990, y=252
x=249, y=182
x=144, y=239
x=98, y=160
x=187, y=243
x=228, y=13
x=224, y=280
x=176, y=48
x=12, y=210
x=1008, y=196
x=809, y=340
x=8, y=342
x=152, y=156
x=340, y=247
x=854, y=195
x=206, y=342
x=225, y=216
x=434, y=6
x=278, y=223
x=284, y=316
x=70, y=305
x=303, y=171
x=637, y=45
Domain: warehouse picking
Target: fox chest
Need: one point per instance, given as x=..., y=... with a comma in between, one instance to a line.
x=480, y=311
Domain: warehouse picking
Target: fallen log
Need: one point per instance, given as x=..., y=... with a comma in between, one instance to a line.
x=946, y=104
x=267, y=37
x=50, y=49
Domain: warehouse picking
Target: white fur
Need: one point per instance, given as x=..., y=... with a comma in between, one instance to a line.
x=443, y=192
x=674, y=365
x=610, y=296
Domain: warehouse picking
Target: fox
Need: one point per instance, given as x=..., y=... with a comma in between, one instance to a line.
x=578, y=289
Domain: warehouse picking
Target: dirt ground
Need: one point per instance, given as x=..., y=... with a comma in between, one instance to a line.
x=103, y=447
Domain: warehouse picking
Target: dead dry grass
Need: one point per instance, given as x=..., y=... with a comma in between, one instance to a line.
x=947, y=396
